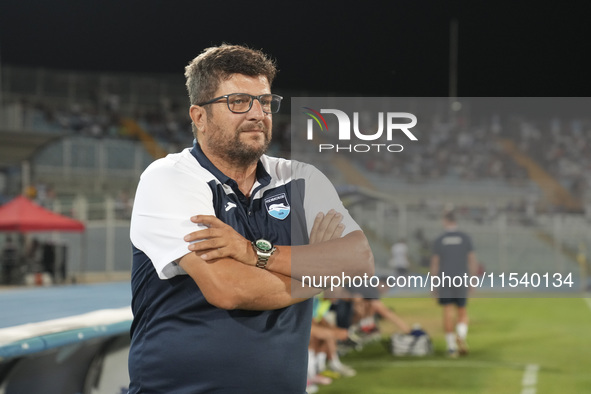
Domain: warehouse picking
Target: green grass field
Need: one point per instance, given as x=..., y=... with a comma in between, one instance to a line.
x=507, y=337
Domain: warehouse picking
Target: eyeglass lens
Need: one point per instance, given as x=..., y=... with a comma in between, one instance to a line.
x=238, y=102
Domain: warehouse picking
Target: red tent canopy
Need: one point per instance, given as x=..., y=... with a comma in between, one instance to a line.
x=23, y=215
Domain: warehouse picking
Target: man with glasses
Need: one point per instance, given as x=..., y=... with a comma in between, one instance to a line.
x=222, y=234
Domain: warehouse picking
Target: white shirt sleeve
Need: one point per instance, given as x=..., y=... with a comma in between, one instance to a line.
x=166, y=198
x=321, y=196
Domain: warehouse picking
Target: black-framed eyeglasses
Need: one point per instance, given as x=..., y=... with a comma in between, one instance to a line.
x=240, y=103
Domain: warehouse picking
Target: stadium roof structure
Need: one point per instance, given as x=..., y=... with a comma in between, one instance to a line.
x=23, y=215
x=17, y=146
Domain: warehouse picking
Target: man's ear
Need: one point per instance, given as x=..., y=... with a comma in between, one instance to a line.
x=198, y=116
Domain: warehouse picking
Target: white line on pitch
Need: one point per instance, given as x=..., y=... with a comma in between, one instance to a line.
x=530, y=379
x=438, y=364
x=588, y=301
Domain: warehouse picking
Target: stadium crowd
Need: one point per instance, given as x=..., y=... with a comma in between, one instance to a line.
x=167, y=122
x=459, y=149
x=561, y=148
x=473, y=152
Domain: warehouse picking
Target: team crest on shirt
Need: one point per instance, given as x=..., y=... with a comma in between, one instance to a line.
x=278, y=206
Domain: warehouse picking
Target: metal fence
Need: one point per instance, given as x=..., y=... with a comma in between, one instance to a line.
x=503, y=241
x=90, y=166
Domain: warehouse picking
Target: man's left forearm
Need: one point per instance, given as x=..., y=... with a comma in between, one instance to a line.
x=350, y=255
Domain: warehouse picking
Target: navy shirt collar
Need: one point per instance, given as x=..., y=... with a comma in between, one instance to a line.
x=262, y=175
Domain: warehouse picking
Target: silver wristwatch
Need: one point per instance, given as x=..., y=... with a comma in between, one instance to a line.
x=264, y=250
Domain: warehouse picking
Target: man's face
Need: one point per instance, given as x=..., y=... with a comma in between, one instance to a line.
x=239, y=139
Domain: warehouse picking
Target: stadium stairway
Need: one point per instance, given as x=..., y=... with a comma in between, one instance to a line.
x=352, y=175
x=555, y=193
x=576, y=254
x=149, y=143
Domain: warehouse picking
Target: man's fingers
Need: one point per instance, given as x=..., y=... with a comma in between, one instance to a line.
x=326, y=221
x=208, y=220
x=327, y=227
x=333, y=220
x=212, y=254
x=205, y=233
x=339, y=231
x=314, y=235
x=198, y=235
x=204, y=245
x=217, y=240
x=209, y=250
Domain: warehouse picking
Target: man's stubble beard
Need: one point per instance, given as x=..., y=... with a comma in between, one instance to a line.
x=233, y=150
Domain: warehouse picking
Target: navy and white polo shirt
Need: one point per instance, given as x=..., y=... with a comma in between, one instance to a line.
x=180, y=342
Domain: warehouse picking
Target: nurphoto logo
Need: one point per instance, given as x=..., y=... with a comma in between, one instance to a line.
x=388, y=123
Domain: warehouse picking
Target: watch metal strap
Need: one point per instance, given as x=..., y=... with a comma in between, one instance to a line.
x=262, y=261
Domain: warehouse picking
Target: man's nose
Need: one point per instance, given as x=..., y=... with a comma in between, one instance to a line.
x=256, y=112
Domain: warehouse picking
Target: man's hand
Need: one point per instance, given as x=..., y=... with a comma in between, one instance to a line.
x=219, y=240
x=327, y=227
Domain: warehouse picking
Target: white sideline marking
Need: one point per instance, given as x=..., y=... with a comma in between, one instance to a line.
x=439, y=364
x=530, y=379
x=588, y=301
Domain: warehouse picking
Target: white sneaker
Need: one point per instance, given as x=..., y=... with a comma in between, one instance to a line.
x=311, y=388
x=462, y=346
x=320, y=379
x=343, y=369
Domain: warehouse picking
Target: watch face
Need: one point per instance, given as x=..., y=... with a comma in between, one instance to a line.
x=264, y=245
